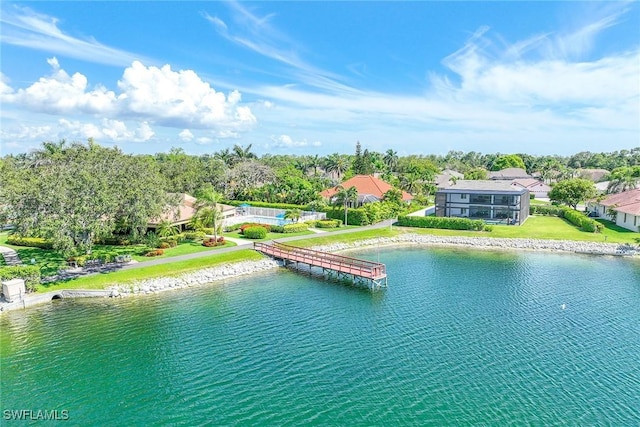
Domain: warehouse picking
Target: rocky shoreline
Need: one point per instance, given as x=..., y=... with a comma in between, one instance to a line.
x=209, y=275
x=594, y=248
x=194, y=278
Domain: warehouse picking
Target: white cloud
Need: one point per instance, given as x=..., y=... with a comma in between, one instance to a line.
x=185, y=135
x=157, y=95
x=61, y=93
x=179, y=98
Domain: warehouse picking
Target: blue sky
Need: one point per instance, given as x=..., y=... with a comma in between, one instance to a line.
x=316, y=77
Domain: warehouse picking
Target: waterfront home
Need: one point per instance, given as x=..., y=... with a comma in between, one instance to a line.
x=495, y=201
x=181, y=214
x=621, y=208
x=536, y=187
x=370, y=189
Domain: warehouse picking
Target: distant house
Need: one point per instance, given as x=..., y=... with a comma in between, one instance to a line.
x=509, y=174
x=625, y=207
x=595, y=175
x=186, y=209
x=447, y=177
x=491, y=200
x=370, y=189
x=535, y=187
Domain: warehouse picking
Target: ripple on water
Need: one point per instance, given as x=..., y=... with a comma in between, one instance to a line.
x=459, y=337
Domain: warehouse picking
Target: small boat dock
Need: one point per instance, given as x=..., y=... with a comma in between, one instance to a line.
x=373, y=274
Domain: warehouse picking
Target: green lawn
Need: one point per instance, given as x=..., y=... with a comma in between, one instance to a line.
x=50, y=261
x=545, y=227
x=100, y=281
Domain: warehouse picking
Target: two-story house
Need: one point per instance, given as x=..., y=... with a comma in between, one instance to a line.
x=494, y=201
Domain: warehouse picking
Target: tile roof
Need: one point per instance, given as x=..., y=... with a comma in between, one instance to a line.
x=185, y=210
x=366, y=185
x=626, y=202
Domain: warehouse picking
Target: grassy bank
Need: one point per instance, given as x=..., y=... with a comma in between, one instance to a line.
x=100, y=281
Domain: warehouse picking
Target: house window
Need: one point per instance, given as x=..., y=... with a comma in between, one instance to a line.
x=463, y=196
x=635, y=220
x=463, y=211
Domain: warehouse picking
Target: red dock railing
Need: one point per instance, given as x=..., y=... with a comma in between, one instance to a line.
x=356, y=267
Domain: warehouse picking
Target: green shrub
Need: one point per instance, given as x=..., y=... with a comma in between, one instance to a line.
x=327, y=223
x=255, y=232
x=30, y=274
x=442, y=222
x=354, y=216
x=195, y=235
x=253, y=224
x=32, y=242
x=294, y=228
x=277, y=229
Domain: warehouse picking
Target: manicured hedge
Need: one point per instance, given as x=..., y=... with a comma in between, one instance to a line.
x=32, y=242
x=354, y=216
x=255, y=232
x=295, y=228
x=546, y=210
x=30, y=274
x=442, y=222
x=579, y=219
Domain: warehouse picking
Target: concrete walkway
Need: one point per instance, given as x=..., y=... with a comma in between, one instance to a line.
x=10, y=256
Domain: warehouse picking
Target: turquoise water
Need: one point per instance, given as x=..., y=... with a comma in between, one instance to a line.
x=459, y=338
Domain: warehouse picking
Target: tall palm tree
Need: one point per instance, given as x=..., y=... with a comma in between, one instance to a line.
x=336, y=163
x=391, y=159
x=243, y=153
x=344, y=196
x=208, y=212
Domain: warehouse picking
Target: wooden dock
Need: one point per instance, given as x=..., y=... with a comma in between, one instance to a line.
x=373, y=274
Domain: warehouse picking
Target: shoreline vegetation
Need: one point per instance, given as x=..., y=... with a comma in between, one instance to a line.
x=203, y=271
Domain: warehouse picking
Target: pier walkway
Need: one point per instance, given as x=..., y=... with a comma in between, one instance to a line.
x=374, y=274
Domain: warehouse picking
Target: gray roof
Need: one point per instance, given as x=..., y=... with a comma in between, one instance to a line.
x=509, y=173
x=485, y=185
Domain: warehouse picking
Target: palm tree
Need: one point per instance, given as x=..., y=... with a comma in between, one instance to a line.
x=336, y=163
x=293, y=214
x=165, y=228
x=344, y=196
x=208, y=212
x=225, y=155
x=391, y=159
x=243, y=153
x=623, y=183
